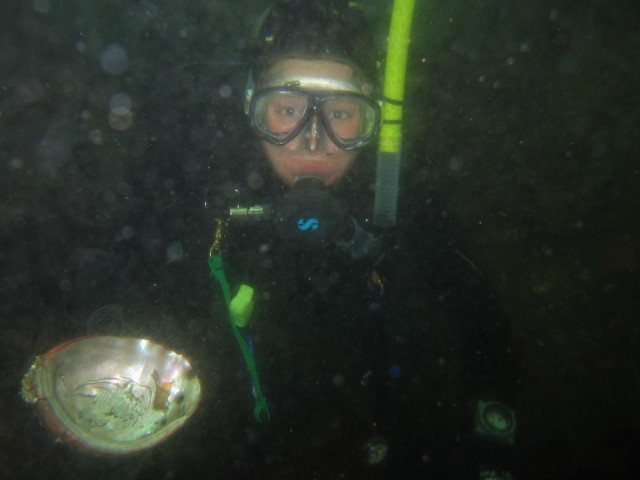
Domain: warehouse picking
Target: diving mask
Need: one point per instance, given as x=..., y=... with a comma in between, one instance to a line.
x=278, y=114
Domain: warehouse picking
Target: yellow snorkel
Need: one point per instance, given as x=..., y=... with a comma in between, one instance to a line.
x=390, y=141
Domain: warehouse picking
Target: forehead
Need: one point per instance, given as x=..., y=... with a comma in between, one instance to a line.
x=312, y=75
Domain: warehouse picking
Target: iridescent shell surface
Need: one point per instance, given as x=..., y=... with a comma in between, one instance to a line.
x=111, y=394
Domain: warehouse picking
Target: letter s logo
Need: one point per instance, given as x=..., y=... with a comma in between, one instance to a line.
x=305, y=224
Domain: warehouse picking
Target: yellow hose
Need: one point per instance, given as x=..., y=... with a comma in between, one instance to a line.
x=390, y=141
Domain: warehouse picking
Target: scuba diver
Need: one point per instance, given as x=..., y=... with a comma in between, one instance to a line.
x=381, y=351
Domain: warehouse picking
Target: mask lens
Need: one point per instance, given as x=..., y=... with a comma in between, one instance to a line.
x=351, y=119
x=277, y=114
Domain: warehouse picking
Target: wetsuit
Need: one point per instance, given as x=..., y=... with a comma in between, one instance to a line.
x=398, y=345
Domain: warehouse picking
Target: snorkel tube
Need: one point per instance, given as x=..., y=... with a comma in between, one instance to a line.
x=390, y=139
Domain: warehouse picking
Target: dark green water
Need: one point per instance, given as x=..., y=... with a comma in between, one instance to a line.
x=525, y=114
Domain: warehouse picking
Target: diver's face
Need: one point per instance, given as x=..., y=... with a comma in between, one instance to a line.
x=311, y=153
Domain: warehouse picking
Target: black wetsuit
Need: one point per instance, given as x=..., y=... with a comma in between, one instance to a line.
x=342, y=361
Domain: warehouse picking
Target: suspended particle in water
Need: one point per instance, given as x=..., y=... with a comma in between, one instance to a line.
x=126, y=233
x=80, y=46
x=95, y=136
x=114, y=60
x=364, y=381
x=225, y=91
x=120, y=100
x=456, y=163
x=151, y=10
x=255, y=180
x=65, y=285
x=375, y=450
x=107, y=319
x=28, y=92
x=41, y=6
x=120, y=118
x=109, y=196
x=395, y=371
x=175, y=252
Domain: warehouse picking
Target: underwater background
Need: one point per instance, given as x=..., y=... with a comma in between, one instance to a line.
x=117, y=116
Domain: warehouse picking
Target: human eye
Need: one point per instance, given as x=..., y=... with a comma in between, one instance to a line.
x=341, y=110
x=289, y=111
x=288, y=106
x=344, y=117
x=282, y=112
x=339, y=115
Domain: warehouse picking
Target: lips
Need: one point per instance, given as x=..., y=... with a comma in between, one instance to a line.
x=322, y=170
x=293, y=161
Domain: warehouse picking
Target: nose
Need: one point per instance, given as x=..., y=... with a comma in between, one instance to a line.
x=313, y=134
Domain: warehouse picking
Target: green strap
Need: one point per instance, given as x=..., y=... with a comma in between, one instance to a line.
x=260, y=410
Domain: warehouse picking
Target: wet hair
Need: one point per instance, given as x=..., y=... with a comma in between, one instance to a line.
x=332, y=29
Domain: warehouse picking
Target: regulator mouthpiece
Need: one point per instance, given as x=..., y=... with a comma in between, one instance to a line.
x=309, y=217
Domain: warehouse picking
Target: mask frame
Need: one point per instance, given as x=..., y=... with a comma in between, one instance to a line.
x=316, y=106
